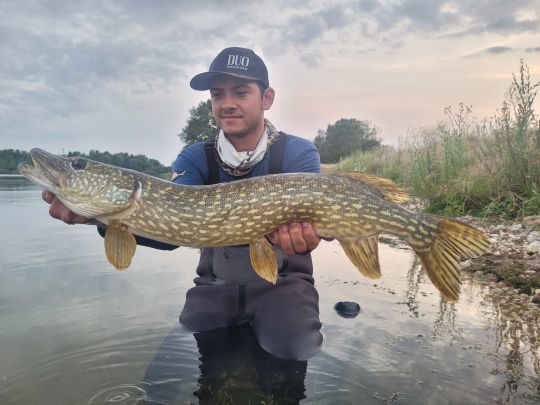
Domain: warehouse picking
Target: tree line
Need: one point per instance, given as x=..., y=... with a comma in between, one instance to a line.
x=345, y=136
x=10, y=158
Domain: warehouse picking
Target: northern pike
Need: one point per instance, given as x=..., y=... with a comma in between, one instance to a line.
x=353, y=208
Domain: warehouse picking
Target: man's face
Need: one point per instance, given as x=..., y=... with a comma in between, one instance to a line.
x=238, y=105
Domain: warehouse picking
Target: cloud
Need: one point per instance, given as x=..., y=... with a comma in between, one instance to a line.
x=498, y=49
x=493, y=50
x=531, y=50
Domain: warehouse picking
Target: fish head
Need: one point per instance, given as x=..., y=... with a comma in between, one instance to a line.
x=86, y=187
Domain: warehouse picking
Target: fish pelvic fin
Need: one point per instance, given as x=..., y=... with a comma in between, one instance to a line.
x=389, y=190
x=453, y=241
x=263, y=259
x=120, y=245
x=364, y=254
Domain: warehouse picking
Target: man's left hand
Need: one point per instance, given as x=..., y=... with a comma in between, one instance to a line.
x=295, y=238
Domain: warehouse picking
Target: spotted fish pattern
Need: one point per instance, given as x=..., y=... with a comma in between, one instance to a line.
x=354, y=208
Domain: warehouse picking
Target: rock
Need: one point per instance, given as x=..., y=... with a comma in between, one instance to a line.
x=533, y=236
x=500, y=228
x=537, y=291
x=465, y=264
x=516, y=227
x=533, y=247
x=530, y=272
x=490, y=277
x=531, y=222
x=536, y=299
x=347, y=309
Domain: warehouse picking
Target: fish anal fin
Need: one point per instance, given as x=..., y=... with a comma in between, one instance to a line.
x=120, y=245
x=263, y=259
x=364, y=254
x=390, y=190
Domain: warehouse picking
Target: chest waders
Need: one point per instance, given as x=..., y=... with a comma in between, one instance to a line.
x=284, y=317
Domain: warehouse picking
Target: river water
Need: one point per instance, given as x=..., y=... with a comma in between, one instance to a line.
x=75, y=331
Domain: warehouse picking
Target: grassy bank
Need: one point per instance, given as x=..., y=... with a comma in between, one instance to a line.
x=466, y=166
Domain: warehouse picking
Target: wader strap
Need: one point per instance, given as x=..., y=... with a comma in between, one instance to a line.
x=242, y=318
x=277, y=150
x=213, y=168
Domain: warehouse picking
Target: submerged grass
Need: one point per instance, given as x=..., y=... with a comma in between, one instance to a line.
x=465, y=166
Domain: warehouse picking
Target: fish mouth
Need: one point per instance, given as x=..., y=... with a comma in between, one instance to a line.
x=49, y=171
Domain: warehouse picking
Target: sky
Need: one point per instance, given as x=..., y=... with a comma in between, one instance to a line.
x=114, y=75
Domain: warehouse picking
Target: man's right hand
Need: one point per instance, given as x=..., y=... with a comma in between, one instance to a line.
x=59, y=211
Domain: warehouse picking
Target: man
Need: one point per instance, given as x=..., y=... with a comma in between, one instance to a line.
x=284, y=316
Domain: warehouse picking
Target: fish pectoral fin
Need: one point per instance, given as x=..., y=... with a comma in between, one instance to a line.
x=364, y=254
x=119, y=245
x=390, y=190
x=263, y=259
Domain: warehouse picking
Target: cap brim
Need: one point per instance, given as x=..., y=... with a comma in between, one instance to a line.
x=203, y=81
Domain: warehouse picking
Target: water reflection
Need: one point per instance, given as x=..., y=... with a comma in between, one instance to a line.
x=415, y=276
x=444, y=325
x=233, y=369
x=15, y=189
x=517, y=341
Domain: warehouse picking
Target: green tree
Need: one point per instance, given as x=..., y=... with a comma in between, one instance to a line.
x=10, y=158
x=201, y=125
x=344, y=137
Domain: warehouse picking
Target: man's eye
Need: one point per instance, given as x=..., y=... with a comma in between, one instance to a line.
x=215, y=95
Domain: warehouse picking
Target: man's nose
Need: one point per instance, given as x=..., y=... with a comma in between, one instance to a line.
x=228, y=102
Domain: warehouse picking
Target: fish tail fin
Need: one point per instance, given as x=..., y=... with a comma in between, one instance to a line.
x=453, y=241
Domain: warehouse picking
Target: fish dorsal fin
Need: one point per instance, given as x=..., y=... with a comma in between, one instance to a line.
x=263, y=259
x=120, y=245
x=390, y=190
x=364, y=254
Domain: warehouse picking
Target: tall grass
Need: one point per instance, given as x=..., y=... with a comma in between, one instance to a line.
x=463, y=165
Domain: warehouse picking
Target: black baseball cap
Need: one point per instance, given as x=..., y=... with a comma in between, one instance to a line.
x=235, y=61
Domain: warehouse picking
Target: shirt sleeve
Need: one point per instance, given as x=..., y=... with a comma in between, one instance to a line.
x=190, y=167
x=301, y=156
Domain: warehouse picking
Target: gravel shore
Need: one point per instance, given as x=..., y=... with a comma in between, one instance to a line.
x=513, y=259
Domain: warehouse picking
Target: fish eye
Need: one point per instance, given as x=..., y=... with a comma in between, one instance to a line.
x=78, y=164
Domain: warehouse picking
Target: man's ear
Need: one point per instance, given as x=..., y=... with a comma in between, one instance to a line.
x=268, y=98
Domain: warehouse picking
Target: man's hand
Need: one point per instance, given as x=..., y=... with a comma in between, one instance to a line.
x=295, y=238
x=59, y=211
